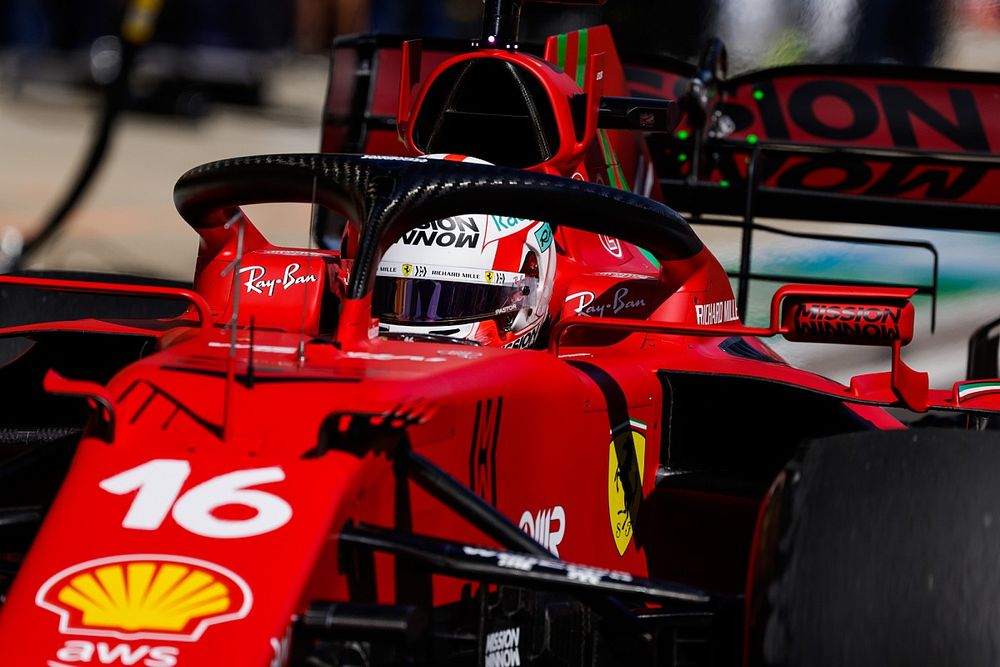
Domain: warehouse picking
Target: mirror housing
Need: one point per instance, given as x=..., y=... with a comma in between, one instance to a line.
x=847, y=321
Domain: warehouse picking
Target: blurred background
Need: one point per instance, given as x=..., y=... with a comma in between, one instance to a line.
x=217, y=78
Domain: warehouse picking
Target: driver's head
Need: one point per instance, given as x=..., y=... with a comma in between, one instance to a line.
x=478, y=277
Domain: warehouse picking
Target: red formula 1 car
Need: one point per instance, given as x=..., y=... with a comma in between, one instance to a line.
x=277, y=467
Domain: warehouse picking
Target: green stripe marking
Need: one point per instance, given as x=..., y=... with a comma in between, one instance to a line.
x=581, y=58
x=561, y=50
x=649, y=256
x=617, y=179
x=609, y=159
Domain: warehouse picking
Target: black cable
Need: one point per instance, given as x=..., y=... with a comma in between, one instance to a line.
x=137, y=29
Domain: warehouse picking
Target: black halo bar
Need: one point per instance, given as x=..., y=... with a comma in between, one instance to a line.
x=519, y=569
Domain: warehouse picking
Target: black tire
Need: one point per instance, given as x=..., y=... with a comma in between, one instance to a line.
x=881, y=549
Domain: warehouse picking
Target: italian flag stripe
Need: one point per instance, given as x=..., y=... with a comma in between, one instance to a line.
x=633, y=423
x=971, y=388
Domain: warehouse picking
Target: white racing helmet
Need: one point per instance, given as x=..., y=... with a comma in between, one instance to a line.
x=478, y=277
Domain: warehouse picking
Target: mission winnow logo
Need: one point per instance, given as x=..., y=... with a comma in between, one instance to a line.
x=447, y=233
x=503, y=648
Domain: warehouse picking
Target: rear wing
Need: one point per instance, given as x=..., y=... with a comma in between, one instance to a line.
x=882, y=145
x=820, y=137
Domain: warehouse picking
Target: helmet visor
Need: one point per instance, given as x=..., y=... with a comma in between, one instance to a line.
x=426, y=300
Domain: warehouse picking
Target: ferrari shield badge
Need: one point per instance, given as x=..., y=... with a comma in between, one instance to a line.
x=626, y=459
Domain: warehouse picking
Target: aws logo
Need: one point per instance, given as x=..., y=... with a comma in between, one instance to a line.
x=548, y=527
x=145, y=597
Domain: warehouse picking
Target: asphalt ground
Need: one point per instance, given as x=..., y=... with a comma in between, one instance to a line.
x=127, y=222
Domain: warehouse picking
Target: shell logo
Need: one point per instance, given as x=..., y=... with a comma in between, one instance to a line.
x=144, y=596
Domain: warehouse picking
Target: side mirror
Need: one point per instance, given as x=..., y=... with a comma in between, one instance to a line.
x=853, y=321
x=638, y=113
x=881, y=316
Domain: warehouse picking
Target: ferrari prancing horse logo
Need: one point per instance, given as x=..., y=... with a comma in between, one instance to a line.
x=626, y=460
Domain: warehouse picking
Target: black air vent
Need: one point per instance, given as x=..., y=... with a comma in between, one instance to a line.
x=490, y=109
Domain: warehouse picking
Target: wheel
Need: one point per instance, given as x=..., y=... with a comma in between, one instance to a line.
x=880, y=549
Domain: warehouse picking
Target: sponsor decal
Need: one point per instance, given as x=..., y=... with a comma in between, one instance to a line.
x=267, y=349
x=83, y=652
x=503, y=223
x=626, y=461
x=717, y=312
x=502, y=648
x=584, y=574
x=483, y=453
x=872, y=108
x=394, y=158
x=544, y=236
x=293, y=253
x=547, y=527
x=462, y=275
x=144, y=597
x=460, y=354
x=930, y=116
x=876, y=323
x=257, y=283
x=373, y=356
x=449, y=273
x=612, y=245
x=624, y=276
x=413, y=271
x=621, y=302
x=446, y=233
x=526, y=341
x=282, y=648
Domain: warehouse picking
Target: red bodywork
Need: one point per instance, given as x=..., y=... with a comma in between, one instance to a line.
x=193, y=526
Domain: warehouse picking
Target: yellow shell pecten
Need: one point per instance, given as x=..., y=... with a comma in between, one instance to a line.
x=145, y=595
